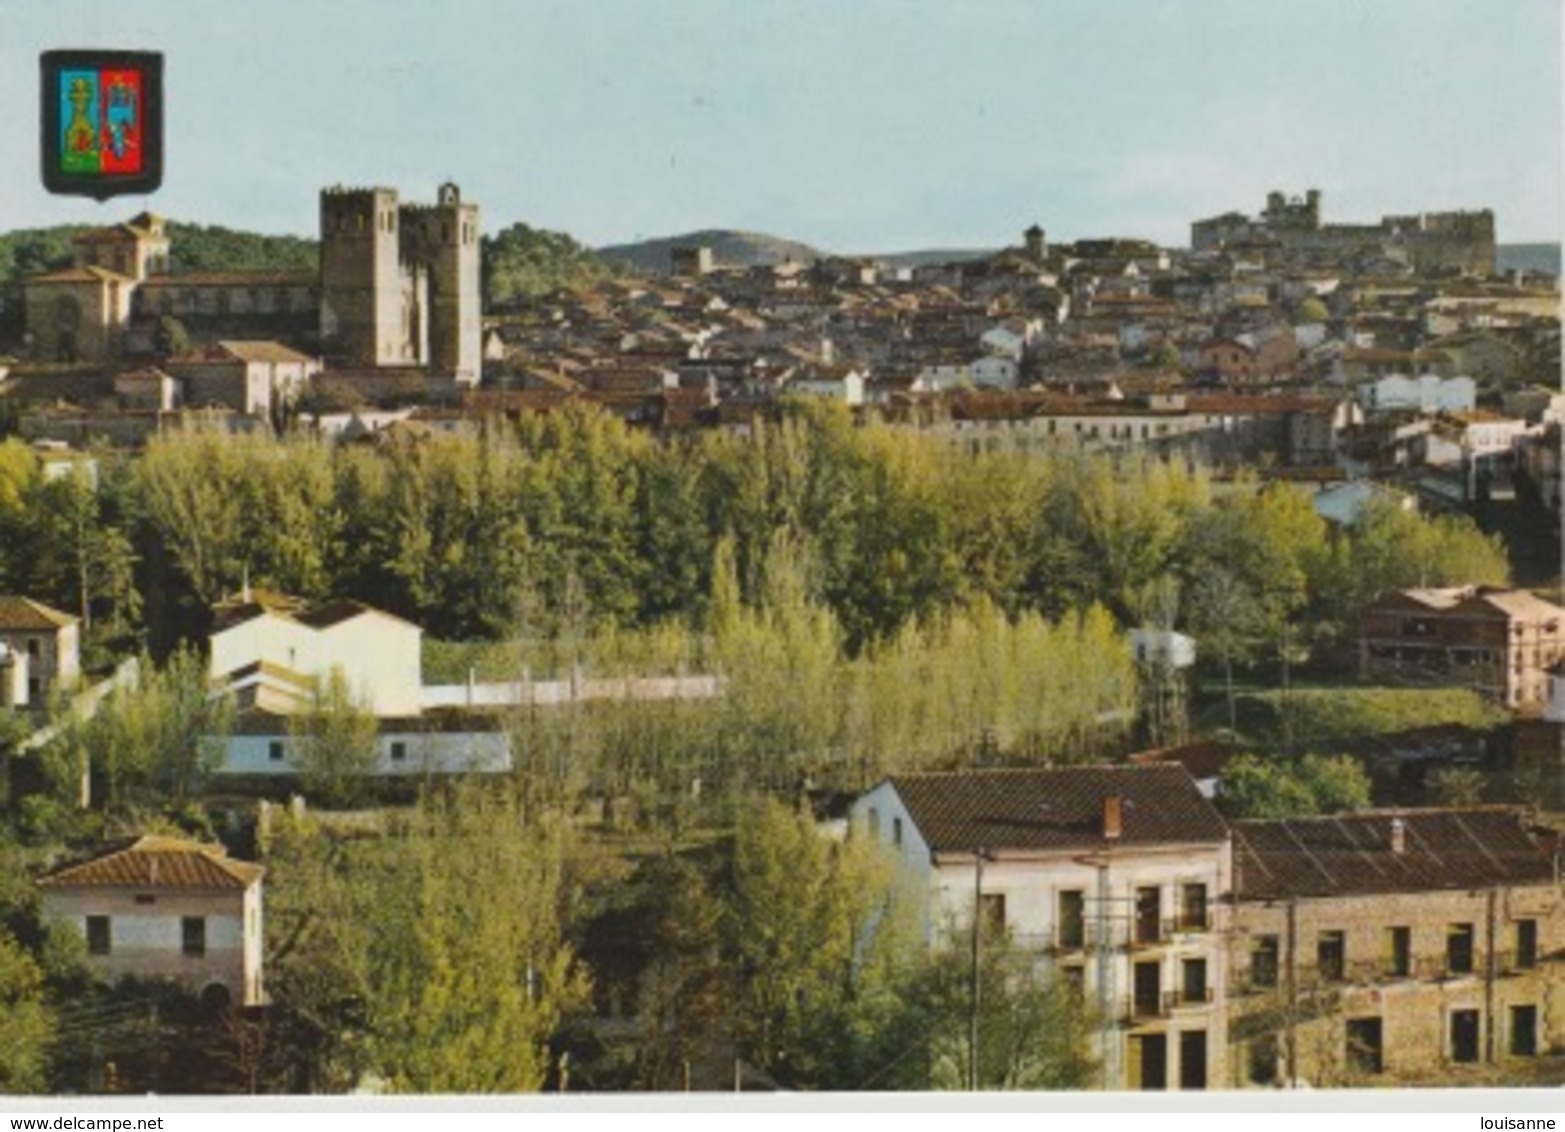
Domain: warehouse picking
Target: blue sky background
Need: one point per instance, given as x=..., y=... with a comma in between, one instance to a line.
x=856, y=125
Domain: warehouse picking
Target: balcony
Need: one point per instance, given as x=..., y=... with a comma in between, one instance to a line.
x=1152, y=1008
x=1191, y=923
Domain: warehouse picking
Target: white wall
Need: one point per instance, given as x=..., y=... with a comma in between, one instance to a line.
x=378, y=654
x=424, y=752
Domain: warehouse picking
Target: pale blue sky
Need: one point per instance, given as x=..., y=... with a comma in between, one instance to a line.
x=856, y=125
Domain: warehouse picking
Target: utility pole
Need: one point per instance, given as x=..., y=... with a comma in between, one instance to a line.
x=978, y=917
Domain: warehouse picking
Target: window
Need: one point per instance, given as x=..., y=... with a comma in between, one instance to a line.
x=896, y=831
x=1524, y=1031
x=1148, y=989
x=1193, y=980
x=1072, y=922
x=1192, y=907
x=33, y=645
x=1149, y=915
x=274, y=751
x=1459, y=949
x=192, y=932
x=145, y=898
x=872, y=819
x=1526, y=944
x=1399, y=952
x=1365, y=1054
x=99, y=935
x=1331, y=954
x=1263, y=961
x=399, y=751
x=1464, y=1035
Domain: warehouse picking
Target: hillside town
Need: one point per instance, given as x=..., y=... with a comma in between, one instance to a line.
x=1087, y=665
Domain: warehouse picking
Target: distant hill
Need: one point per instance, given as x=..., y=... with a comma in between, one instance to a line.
x=933, y=255
x=1528, y=257
x=729, y=249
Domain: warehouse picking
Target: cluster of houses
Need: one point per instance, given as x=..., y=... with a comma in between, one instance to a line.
x=1377, y=361
x=1404, y=945
x=1389, y=353
x=1395, y=946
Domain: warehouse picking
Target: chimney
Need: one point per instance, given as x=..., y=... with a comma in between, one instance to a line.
x=1113, y=817
x=1398, y=836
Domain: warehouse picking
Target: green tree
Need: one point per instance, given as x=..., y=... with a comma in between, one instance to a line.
x=334, y=740
x=155, y=741
x=29, y=1022
x=521, y=262
x=1310, y=310
x=1456, y=786
x=1254, y=787
x=1033, y=1029
x=433, y=955
x=800, y=909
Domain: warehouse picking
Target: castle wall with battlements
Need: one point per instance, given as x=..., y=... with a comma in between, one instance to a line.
x=1428, y=242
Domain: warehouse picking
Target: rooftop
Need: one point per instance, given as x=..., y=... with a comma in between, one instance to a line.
x=158, y=862
x=25, y=614
x=1053, y=809
x=1354, y=854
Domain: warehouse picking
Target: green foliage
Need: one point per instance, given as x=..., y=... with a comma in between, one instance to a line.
x=29, y=1022
x=812, y=987
x=1254, y=787
x=432, y=955
x=1310, y=310
x=1456, y=786
x=1329, y=717
x=1389, y=548
x=1033, y=1029
x=334, y=741
x=152, y=742
x=199, y=247
x=521, y=262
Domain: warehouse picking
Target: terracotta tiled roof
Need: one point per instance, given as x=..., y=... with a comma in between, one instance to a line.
x=25, y=614
x=1353, y=854
x=158, y=862
x=1032, y=810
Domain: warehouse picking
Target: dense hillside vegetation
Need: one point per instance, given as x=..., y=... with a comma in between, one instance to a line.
x=521, y=262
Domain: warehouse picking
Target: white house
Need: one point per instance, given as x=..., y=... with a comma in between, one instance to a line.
x=167, y=908
x=439, y=742
x=1428, y=393
x=1163, y=646
x=270, y=652
x=1112, y=875
x=47, y=640
x=835, y=383
x=993, y=372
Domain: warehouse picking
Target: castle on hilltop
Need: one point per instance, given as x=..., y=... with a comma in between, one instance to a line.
x=397, y=287
x=1291, y=229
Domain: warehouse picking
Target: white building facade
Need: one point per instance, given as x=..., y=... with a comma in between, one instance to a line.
x=169, y=909
x=1111, y=875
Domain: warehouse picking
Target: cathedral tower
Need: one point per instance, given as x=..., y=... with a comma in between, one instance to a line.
x=363, y=319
